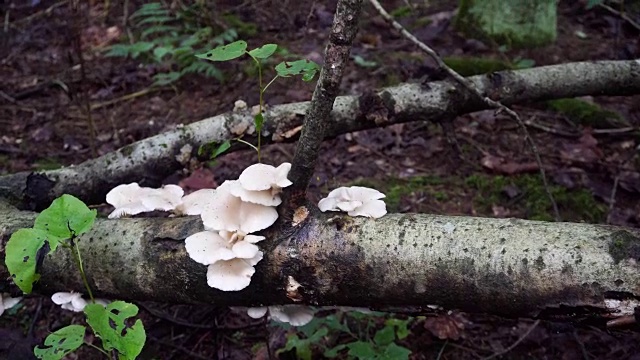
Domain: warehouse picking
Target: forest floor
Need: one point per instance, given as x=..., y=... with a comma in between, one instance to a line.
x=482, y=168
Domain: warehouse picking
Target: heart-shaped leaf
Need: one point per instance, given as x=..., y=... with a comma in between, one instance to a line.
x=306, y=68
x=60, y=343
x=264, y=51
x=110, y=324
x=66, y=217
x=225, y=52
x=23, y=251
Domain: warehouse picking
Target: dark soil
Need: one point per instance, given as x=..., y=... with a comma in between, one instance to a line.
x=480, y=167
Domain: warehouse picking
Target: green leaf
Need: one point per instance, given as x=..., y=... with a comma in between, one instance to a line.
x=395, y=352
x=362, y=350
x=264, y=51
x=333, y=352
x=60, y=343
x=162, y=79
x=306, y=68
x=225, y=52
x=161, y=51
x=401, y=327
x=258, y=120
x=66, y=217
x=303, y=351
x=221, y=149
x=385, y=336
x=110, y=324
x=23, y=250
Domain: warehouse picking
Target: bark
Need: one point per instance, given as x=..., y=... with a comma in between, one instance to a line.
x=507, y=267
x=343, y=31
x=151, y=160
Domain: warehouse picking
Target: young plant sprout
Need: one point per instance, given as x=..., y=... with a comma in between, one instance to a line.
x=305, y=68
x=356, y=201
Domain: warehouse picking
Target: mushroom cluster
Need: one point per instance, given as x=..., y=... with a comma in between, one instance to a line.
x=231, y=214
x=73, y=301
x=356, y=201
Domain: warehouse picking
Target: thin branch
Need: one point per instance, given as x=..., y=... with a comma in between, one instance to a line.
x=616, y=182
x=524, y=336
x=343, y=31
x=472, y=88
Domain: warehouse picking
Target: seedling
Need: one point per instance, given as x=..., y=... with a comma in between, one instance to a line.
x=305, y=68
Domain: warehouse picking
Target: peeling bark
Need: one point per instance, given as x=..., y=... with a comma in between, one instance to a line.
x=506, y=267
x=149, y=161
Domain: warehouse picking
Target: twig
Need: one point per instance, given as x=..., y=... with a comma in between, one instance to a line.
x=471, y=87
x=515, y=343
x=343, y=31
x=616, y=182
x=620, y=14
x=40, y=13
x=125, y=98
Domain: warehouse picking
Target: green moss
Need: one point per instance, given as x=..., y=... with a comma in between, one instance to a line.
x=515, y=23
x=396, y=189
x=623, y=245
x=574, y=205
x=47, y=164
x=469, y=66
x=585, y=113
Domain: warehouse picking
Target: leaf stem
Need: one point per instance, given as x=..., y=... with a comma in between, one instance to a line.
x=250, y=144
x=99, y=349
x=76, y=256
x=261, y=91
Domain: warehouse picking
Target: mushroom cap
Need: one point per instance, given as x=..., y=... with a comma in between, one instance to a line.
x=230, y=213
x=264, y=177
x=356, y=200
x=7, y=302
x=196, y=202
x=131, y=199
x=208, y=247
x=257, y=312
x=296, y=315
x=69, y=301
x=261, y=197
x=231, y=275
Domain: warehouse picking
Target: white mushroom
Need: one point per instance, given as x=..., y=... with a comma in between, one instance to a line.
x=264, y=177
x=356, y=201
x=196, y=202
x=208, y=247
x=73, y=301
x=230, y=213
x=261, y=197
x=232, y=275
x=131, y=199
x=7, y=302
x=296, y=315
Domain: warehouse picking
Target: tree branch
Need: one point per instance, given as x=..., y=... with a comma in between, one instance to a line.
x=506, y=267
x=343, y=31
x=471, y=88
x=150, y=160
